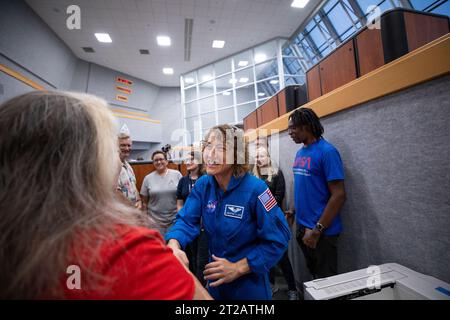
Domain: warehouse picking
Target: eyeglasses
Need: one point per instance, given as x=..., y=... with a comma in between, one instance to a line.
x=159, y=160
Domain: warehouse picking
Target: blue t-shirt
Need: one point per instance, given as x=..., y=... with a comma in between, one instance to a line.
x=315, y=166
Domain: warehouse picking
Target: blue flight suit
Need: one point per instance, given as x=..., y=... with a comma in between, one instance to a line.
x=242, y=222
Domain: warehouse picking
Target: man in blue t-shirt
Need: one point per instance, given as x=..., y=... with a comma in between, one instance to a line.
x=319, y=193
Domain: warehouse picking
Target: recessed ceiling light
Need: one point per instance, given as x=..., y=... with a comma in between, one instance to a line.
x=299, y=3
x=226, y=93
x=274, y=81
x=232, y=81
x=243, y=63
x=260, y=57
x=167, y=70
x=261, y=94
x=218, y=44
x=189, y=80
x=103, y=37
x=243, y=80
x=163, y=41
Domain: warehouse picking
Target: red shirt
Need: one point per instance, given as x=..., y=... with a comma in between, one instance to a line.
x=141, y=267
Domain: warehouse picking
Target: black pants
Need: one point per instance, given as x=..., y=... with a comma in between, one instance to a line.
x=198, y=255
x=321, y=261
x=288, y=273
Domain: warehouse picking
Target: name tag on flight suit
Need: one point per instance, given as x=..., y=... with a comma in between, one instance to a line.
x=233, y=211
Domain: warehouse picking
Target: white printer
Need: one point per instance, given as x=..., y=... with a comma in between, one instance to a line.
x=389, y=281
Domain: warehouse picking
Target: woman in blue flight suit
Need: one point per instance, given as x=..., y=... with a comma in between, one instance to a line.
x=247, y=231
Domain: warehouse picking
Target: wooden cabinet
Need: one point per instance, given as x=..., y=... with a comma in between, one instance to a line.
x=422, y=29
x=369, y=50
x=334, y=71
x=281, y=103
x=268, y=111
x=338, y=68
x=403, y=31
x=251, y=121
x=313, y=82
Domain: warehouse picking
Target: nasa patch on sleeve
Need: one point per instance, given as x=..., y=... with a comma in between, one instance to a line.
x=233, y=211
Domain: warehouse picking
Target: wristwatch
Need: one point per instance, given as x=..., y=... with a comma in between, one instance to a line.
x=319, y=227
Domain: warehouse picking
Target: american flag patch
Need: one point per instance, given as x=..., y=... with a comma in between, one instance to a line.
x=267, y=200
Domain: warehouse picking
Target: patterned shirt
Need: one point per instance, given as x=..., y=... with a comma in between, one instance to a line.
x=127, y=183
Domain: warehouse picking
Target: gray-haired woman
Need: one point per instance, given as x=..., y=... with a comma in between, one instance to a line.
x=63, y=232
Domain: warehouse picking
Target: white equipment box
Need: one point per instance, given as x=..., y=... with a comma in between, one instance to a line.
x=389, y=281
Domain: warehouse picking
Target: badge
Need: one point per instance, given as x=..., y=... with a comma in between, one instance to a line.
x=233, y=211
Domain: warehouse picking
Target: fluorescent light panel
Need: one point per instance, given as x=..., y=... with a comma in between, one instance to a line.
x=163, y=41
x=103, y=37
x=219, y=44
x=243, y=80
x=299, y=3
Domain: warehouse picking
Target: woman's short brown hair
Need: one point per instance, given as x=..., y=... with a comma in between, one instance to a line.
x=233, y=137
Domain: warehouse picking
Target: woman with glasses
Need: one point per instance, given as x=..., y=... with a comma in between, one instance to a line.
x=158, y=192
x=247, y=231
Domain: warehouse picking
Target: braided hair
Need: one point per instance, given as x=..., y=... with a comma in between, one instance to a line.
x=305, y=117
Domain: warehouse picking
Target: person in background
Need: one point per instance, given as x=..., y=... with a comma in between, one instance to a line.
x=127, y=181
x=197, y=250
x=159, y=190
x=247, y=232
x=319, y=193
x=72, y=237
x=266, y=170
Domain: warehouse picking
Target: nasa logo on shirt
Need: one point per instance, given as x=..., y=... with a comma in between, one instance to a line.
x=233, y=211
x=211, y=206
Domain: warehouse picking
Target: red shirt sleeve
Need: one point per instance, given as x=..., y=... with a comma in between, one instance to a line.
x=140, y=267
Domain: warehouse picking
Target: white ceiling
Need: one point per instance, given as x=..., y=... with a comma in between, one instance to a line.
x=134, y=25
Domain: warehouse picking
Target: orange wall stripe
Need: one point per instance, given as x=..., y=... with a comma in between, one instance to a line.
x=20, y=77
x=138, y=114
x=136, y=118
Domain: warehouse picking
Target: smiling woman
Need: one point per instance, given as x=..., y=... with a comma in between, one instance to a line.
x=158, y=192
x=247, y=231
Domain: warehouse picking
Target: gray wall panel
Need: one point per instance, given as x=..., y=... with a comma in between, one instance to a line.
x=29, y=42
x=396, y=155
x=167, y=109
x=102, y=82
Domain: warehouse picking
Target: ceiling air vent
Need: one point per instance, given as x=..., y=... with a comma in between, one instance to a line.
x=88, y=49
x=144, y=51
x=188, y=25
